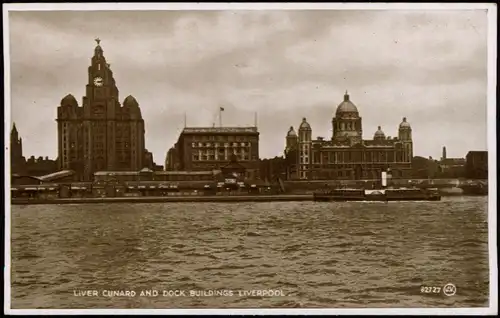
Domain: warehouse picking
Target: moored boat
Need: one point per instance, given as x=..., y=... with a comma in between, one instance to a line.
x=475, y=189
x=340, y=195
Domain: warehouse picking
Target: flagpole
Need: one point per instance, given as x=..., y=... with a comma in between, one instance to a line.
x=220, y=116
x=185, y=120
x=255, y=118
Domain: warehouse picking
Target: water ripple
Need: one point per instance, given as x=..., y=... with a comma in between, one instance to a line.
x=364, y=254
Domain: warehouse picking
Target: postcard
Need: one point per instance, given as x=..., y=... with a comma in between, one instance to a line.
x=244, y=158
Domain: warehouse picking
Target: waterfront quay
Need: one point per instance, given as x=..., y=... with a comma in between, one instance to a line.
x=169, y=199
x=445, y=186
x=156, y=192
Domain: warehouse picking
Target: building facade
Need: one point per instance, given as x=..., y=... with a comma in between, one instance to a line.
x=27, y=167
x=201, y=149
x=451, y=167
x=273, y=169
x=17, y=161
x=101, y=134
x=171, y=160
x=347, y=155
x=476, y=165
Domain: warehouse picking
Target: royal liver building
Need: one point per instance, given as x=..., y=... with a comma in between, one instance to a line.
x=101, y=134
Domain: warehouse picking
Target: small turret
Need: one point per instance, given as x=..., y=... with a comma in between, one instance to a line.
x=379, y=134
x=304, y=125
x=404, y=132
x=69, y=101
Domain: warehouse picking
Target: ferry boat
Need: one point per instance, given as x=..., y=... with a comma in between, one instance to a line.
x=398, y=194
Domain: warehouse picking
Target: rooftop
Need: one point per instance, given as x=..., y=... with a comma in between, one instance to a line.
x=175, y=173
x=56, y=175
x=216, y=130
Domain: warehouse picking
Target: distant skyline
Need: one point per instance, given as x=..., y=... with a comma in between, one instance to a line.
x=428, y=66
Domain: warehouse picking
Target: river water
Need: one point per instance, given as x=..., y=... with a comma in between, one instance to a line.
x=330, y=255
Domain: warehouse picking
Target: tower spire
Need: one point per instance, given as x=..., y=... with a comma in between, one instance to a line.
x=98, y=49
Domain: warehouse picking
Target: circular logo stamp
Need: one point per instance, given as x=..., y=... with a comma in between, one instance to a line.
x=449, y=289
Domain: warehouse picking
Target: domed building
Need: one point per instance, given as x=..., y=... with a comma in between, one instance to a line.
x=101, y=134
x=347, y=155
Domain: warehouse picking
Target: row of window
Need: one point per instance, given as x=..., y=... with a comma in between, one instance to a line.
x=346, y=126
x=224, y=138
x=221, y=151
x=336, y=157
x=222, y=158
x=216, y=144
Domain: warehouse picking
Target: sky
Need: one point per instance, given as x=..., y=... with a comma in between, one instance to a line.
x=428, y=66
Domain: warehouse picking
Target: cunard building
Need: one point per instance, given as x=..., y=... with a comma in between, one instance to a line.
x=347, y=155
x=101, y=134
x=211, y=148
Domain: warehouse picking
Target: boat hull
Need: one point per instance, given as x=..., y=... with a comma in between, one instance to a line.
x=377, y=197
x=474, y=190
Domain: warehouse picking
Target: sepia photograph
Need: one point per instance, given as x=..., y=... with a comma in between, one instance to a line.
x=250, y=158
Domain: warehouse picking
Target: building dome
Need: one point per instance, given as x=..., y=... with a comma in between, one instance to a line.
x=291, y=132
x=404, y=124
x=379, y=134
x=69, y=100
x=346, y=106
x=130, y=101
x=304, y=124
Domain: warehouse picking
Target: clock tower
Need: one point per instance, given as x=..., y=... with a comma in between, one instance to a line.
x=101, y=87
x=109, y=137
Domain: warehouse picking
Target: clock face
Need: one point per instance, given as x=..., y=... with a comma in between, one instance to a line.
x=98, y=81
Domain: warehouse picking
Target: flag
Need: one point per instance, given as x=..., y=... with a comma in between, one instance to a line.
x=222, y=109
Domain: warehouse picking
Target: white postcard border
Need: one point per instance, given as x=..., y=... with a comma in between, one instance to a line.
x=491, y=122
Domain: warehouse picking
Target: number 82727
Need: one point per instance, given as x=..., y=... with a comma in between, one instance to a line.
x=430, y=290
